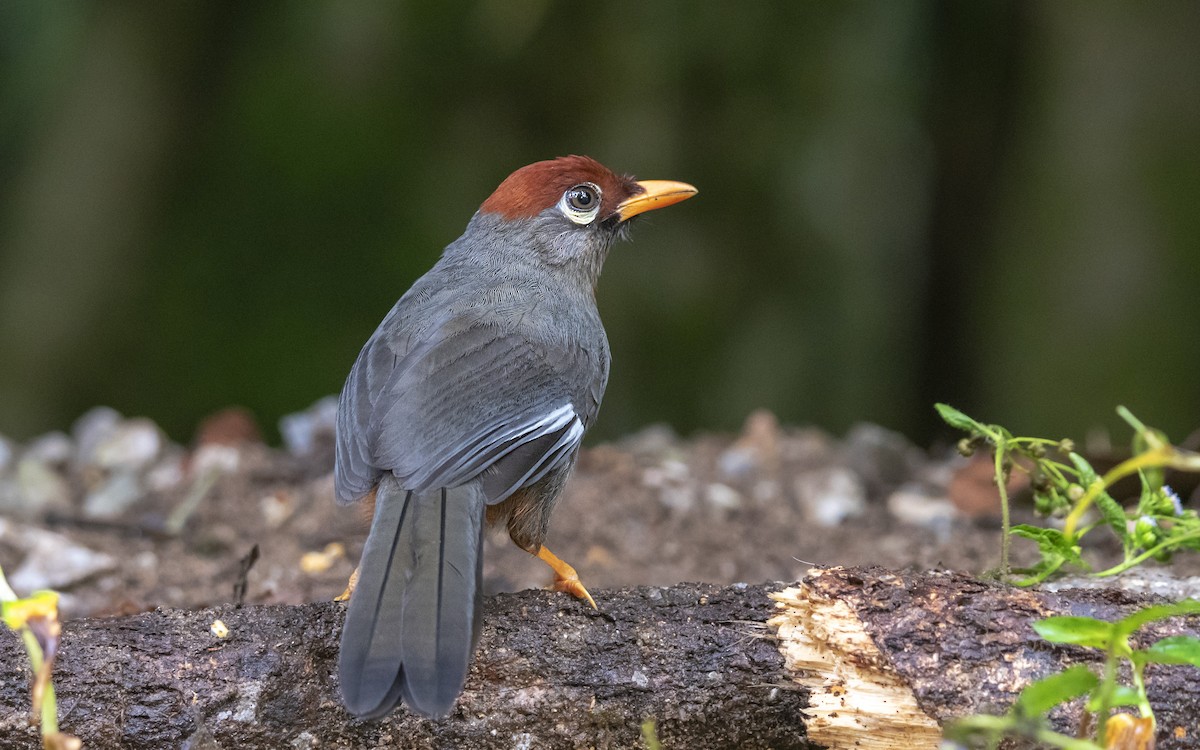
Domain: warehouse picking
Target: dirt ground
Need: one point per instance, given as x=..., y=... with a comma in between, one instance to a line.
x=764, y=505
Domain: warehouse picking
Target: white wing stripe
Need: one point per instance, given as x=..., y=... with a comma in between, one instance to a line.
x=551, y=459
x=549, y=423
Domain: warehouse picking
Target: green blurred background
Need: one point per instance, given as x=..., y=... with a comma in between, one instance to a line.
x=995, y=204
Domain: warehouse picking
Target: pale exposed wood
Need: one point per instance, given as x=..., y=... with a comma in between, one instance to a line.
x=856, y=699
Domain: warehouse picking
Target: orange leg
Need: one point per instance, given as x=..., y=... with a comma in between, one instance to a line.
x=565, y=577
x=345, y=595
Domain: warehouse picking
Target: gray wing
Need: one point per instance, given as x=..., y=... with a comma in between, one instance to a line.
x=465, y=397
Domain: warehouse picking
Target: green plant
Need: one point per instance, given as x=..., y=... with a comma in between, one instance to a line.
x=35, y=618
x=650, y=735
x=1064, y=484
x=1028, y=716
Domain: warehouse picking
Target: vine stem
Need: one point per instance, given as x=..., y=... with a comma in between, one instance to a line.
x=998, y=725
x=1146, y=555
x=1158, y=456
x=1002, y=488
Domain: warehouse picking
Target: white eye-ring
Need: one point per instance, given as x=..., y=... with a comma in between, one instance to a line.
x=581, y=203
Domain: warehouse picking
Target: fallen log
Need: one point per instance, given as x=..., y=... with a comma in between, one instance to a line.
x=862, y=658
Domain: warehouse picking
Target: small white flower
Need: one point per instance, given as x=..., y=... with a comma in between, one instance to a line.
x=1173, y=496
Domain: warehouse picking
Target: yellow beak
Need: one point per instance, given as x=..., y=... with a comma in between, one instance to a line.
x=655, y=194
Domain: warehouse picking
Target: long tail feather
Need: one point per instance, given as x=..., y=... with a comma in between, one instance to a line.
x=370, y=658
x=411, y=627
x=440, y=604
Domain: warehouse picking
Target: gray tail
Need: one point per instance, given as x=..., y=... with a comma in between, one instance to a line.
x=411, y=626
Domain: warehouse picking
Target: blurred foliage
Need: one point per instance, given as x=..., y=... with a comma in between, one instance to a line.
x=989, y=203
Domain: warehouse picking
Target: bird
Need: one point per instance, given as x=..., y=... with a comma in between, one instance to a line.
x=466, y=408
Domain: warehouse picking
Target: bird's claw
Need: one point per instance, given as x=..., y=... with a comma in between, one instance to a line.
x=575, y=588
x=345, y=595
x=565, y=577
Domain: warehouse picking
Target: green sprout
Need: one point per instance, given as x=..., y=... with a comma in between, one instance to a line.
x=35, y=618
x=1065, y=485
x=650, y=735
x=1104, y=694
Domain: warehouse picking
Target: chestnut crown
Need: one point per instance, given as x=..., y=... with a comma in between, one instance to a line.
x=581, y=186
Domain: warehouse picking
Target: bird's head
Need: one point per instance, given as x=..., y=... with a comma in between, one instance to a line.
x=570, y=210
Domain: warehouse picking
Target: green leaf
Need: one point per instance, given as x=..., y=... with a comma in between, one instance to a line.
x=38, y=605
x=958, y=420
x=1186, y=532
x=1157, y=612
x=1044, y=694
x=1122, y=695
x=1087, y=474
x=1029, y=531
x=1152, y=501
x=1114, y=516
x=1149, y=439
x=1079, y=631
x=1153, y=476
x=1051, y=542
x=1175, y=649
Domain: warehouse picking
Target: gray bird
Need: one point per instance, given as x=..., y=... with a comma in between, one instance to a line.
x=467, y=404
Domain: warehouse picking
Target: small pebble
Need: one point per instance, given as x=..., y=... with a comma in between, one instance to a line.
x=653, y=441
x=756, y=449
x=92, y=427
x=131, y=446
x=313, y=563
x=675, y=471
x=277, y=508
x=167, y=474
x=52, y=561
x=882, y=458
x=680, y=499
x=305, y=741
x=737, y=462
x=723, y=497
x=112, y=498
x=830, y=496
x=52, y=449
x=40, y=488
x=222, y=459
x=304, y=430
x=914, y=504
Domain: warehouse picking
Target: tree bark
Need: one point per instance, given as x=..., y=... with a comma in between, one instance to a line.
x=871, y=643
x=550, y=672
x=846, y=658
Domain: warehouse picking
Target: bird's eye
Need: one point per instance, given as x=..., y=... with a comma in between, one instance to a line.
x=581, y=198
x=581, y=203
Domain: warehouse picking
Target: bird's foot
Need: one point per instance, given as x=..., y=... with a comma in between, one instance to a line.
x=566, y=579
x=345, y=595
